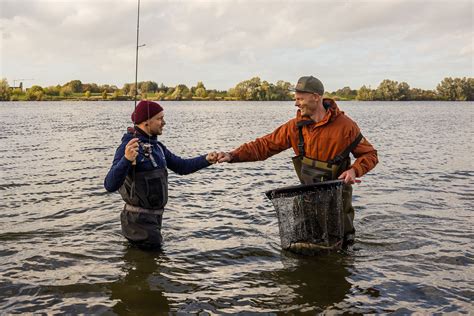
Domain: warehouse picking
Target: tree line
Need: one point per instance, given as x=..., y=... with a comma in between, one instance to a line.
x=254, y=89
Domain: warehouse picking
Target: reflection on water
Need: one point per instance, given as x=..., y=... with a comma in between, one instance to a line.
x=61, y=250
x=140, y=291
x=321, y=283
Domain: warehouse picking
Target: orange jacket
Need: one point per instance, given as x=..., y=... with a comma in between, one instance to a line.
x=322, y=141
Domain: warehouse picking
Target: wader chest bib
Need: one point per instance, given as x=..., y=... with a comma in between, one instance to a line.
x=311, y=170
x=146, y=189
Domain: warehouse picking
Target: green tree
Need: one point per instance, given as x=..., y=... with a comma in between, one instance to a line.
x=132, y=90
x=469, y=88
x=282, y=91
x=126, y=89
x=4, y=90
x=266, y=91
x=387, y=91
x=160, y=95
x=180, y=92
x=92, y=87
x=87, y=94
x=199, y=90
x=75, y=85
x=15, y=94
x=253, y=89
x=148, y=87
x=457, y=89
x=346, y=93
x=35, y=93
x=65, y=91
x=247, y=89
x=52, y=90
x=446, y=89
x=422, y=95
x=403, y=91
x=116, y=95
x=365, y=94
x=39, y=95
x=198, y=85
x=104, y=95
x=201, y=93
x=188, y=95
x=212, y=96
x=163, y=88
x=107, y=88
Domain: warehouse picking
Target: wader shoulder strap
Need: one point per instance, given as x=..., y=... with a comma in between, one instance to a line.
x=162, y=154
x=339, y=158
x=300, y=126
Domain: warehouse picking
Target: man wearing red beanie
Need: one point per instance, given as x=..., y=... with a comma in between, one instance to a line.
x=145, y=110
x=139, y=172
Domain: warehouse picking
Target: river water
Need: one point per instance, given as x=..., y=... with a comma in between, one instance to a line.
x=61, y=250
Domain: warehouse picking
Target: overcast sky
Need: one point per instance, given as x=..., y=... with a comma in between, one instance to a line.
x=344, y=43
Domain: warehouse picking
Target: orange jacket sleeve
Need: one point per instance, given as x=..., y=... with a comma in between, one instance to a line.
x=366, y=157
x=264, y=147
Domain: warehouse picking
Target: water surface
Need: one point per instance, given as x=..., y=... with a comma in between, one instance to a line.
x=61, y=250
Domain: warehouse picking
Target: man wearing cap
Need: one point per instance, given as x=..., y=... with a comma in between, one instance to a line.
x=139, y=172
x=322, y=138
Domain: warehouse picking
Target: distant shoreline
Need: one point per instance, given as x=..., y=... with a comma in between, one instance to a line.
x=254, y=89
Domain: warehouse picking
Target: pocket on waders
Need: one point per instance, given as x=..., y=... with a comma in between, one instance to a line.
x=157, y=194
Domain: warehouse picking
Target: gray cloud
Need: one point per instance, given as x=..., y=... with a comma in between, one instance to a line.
x=223, y=42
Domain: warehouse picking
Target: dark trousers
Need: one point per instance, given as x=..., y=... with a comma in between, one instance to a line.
x=141, y=229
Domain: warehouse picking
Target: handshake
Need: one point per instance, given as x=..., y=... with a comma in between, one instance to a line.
x=215, y=157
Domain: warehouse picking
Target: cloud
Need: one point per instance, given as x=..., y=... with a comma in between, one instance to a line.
x=223, y=42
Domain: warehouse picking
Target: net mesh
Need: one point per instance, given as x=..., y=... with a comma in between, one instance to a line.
x=312, y=216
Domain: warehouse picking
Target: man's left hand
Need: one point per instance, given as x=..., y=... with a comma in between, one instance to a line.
x=349, y=176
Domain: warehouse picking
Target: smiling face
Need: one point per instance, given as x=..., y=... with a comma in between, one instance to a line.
x=156, y=124
x=307, y=102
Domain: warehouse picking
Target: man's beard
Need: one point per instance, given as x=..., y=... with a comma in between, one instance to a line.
x=156, y=133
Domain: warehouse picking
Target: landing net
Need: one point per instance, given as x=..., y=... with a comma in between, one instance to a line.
x=310, y=214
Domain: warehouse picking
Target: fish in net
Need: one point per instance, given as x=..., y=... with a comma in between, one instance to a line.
x=310, y=216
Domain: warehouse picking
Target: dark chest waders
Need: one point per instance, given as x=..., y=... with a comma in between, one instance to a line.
x=312, y=170
x=145, y=194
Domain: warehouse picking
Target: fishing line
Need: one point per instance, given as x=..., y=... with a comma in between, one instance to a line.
x=136, y=63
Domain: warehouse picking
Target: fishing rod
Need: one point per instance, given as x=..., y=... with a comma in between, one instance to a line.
x=136, y=59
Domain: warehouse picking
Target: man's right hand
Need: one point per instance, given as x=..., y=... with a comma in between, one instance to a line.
x=131, y=149
x=224, y=157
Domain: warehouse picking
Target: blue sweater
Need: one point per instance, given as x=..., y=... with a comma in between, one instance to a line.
x=163, y=158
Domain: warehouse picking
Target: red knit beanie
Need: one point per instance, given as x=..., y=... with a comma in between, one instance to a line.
x=145, y=110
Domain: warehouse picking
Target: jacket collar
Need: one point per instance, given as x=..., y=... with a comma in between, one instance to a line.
x=332, y=111
x=138, y=132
